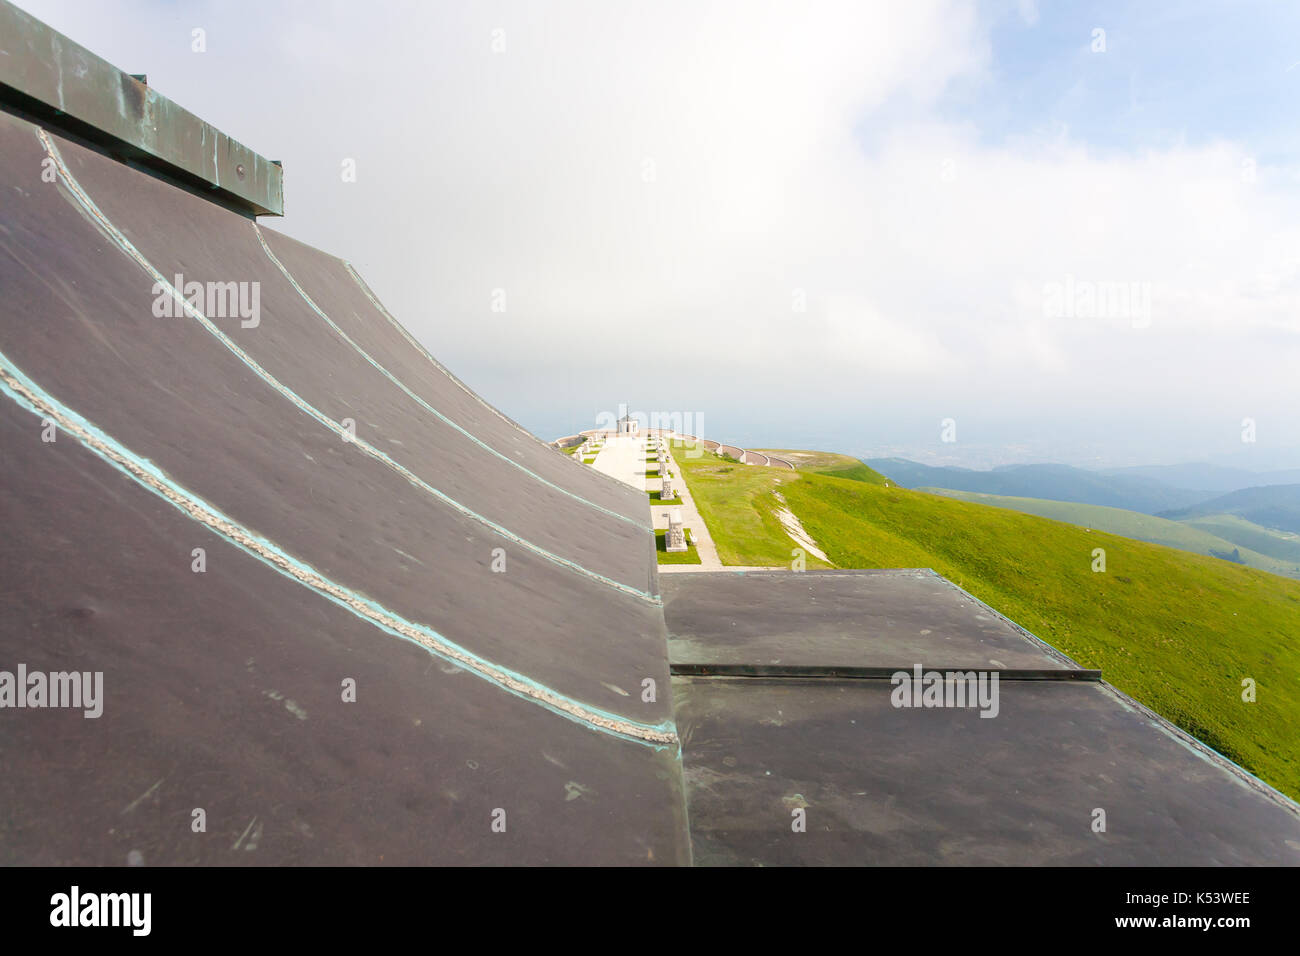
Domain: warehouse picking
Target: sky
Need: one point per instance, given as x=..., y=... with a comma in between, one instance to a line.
x=965, y=233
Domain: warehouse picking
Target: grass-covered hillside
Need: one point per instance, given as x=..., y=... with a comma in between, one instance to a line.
x=1224, y=536
x=1276, y=506
x=827, y=463
x=1282, y=545
x=727, y=495
x=1176, y=630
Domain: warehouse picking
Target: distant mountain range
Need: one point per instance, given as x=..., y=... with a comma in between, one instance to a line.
x=1178, y=492
x=1277, y=506
x=1198, y=476
x=1133, y=492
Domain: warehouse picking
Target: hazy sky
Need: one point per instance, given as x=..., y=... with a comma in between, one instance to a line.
x=830, y=225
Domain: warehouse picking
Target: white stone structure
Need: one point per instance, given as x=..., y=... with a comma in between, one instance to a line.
x=675, y=538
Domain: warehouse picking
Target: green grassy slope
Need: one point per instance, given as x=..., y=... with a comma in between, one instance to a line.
x=1282, y=545
x=1199, y=535
x=736, y=500
x=827, y=463
x=1273, y=506
x=1176, y=630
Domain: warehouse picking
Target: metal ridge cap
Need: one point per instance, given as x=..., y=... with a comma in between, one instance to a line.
x=67, y=88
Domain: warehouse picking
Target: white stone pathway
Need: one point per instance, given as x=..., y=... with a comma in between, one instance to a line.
x=622, y=458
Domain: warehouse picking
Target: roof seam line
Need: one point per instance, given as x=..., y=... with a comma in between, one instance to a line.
x=423, y=404
x=27, y=394
x=302, y=404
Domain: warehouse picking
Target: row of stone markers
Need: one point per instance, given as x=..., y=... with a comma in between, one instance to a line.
x=675, y=537
x=589, y=449
x=665, y=474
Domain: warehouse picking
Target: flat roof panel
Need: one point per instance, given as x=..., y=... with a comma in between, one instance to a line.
x=842, y=618
x=891, y=786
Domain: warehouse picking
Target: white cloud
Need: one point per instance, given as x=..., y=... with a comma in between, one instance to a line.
x=792, y=147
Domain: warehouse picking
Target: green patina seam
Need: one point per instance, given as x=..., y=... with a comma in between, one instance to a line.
x=27, y=394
